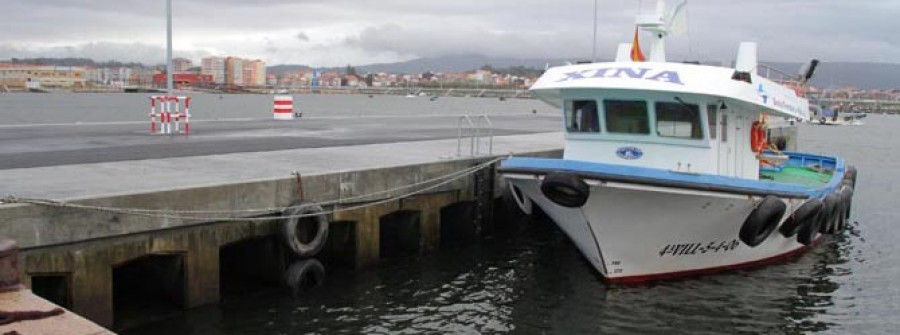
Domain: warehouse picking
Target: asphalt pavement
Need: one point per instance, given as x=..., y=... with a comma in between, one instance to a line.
x=30, y=146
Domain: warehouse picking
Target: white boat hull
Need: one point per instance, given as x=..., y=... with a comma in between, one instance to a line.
x=633, y=232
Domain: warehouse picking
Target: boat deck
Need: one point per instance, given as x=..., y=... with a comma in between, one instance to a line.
x=806, y=176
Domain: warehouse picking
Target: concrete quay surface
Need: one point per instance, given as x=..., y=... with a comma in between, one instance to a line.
x=40, y=145
x=228, y=181
x=65, y=323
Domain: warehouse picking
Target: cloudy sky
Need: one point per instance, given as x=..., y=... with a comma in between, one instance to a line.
x=340, y=32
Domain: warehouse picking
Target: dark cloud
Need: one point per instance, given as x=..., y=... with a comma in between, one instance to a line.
x=101, y=51
x=359, y=32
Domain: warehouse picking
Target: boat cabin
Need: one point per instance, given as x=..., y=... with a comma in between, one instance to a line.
x=678, y=132
x=687, y=118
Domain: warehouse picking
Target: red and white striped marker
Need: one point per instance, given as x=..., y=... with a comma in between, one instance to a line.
x=166, y=116
x=177, y=113
x=169, y=107
x=187, y=115
x=284, y=107
x=153, y=115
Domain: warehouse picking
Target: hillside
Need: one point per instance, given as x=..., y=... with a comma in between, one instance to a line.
x=828, y=75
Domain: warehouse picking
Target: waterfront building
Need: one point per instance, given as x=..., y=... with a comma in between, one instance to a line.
x=36, y=76
x=214, y=66
x=181, y=65
x=257, y=73
x=234, y=71
x=182, y=80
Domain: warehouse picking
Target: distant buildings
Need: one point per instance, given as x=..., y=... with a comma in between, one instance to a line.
x=180, y=65
x=234, y=71
x=112, y=76
x=181, y=80
x=20, y=76
x=215, y=67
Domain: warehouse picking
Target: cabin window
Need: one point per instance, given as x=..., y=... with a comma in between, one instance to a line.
x=675, y=119
x=626, y=117
x=711, y=111
x=581, y=116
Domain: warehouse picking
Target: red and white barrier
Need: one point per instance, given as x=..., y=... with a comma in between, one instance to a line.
x=284, y=107
x=169, y=106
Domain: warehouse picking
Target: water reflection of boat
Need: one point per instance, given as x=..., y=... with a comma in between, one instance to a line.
x=668, y=171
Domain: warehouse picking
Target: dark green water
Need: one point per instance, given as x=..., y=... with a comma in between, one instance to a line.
x=531, y=280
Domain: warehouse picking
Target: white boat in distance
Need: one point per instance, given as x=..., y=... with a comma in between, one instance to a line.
x=834, y=116
x=667, y=170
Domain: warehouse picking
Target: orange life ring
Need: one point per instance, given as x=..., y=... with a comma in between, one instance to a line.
x=758, y=141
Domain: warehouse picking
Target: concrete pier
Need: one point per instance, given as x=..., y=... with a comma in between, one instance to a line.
x=89, y=260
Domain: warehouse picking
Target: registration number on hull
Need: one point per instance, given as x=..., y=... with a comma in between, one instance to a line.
x=686, y=249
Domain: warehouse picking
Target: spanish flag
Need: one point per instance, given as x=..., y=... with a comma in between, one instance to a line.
x=636, y=54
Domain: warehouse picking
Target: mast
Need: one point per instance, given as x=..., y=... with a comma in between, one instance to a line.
x=656, y=24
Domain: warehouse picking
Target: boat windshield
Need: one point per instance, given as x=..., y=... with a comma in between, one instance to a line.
x=626, y=117
x=681, y=120
x=581, y=116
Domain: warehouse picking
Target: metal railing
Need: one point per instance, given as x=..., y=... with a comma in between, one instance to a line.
x=476, y=129
x=779, y=76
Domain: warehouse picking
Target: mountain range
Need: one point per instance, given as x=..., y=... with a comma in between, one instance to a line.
x=829, y=75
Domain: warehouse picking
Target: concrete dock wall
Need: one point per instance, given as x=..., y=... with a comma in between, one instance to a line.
x=87, y=250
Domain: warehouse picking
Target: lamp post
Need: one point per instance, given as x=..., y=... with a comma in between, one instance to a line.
x=594, y=50
x=169, y=46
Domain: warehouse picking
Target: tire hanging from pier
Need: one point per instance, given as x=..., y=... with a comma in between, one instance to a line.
x=304, y=275
x=291, y=228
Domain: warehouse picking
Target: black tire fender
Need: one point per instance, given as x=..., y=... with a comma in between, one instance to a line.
x=291, y=228
x=847, y=198
x=829, y=214
x=844, y=197
x=807, y=233
x=850, y=174
x=565, y=189
x=304, y=275
x=809, y=210
x=762, y=221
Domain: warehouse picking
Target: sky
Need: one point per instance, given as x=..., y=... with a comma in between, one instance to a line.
x=341, y=32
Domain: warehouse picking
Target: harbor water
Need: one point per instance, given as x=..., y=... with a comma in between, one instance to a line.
x=528, y=278
x=531, y=280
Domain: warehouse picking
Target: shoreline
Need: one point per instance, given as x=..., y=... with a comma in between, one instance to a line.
x=404, y=91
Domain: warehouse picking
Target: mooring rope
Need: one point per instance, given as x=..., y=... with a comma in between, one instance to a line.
x=190, y=214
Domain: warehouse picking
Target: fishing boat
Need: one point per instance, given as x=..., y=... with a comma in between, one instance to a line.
x=834, y=116
x=668, y=168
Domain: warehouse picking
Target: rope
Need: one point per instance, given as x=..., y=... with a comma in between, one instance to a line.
x=188, y=214
x=7, y=317
x=468, y=171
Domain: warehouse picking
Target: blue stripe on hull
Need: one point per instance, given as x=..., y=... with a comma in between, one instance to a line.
x=660, y=177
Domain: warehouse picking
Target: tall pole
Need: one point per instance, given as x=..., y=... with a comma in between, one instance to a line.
x=594, y=51
x=169, y=46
